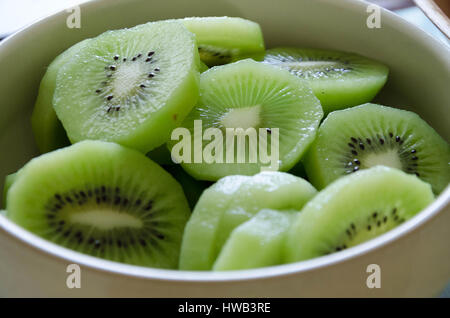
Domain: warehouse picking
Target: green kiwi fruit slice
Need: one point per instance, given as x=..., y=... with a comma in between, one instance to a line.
x=259, y=242
x=48, y=130
x=222, y=40
x=232, y=201
x=355, y=209
x=338, y=79
x=130, y=86
x=102, y=199
x=369, y=135
x=9, y=180
x=192, y=188
x=250, y=95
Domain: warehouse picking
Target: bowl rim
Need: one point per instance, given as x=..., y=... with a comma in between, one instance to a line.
x=40, y=245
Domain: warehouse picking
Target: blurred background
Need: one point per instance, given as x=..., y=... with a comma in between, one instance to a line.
x=15, y=14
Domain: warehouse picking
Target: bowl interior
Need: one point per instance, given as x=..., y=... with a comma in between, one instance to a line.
x=419, y=65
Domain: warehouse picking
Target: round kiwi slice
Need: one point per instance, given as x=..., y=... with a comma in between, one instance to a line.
x=130, y=86
x=368, y=135
x=355, y=209
x=338, y=79
x=250, y=95
x=102, y=199
x=222, y=40
x=230, y=202
x=259, y=242
x=48, y=130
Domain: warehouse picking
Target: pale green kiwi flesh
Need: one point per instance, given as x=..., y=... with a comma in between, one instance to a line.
x=102, y=199
x=230, y=202
x=259, y=242
x=222, y=40
x=355, y=209
x=48, y=130
x=9, y=180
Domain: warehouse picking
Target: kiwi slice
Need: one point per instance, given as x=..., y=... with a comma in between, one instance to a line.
x=130, y=86
x=338, y=79
x=9, y=180
x=368, y=135
x=248, y=94
x=102, y=199
x=222, y=40
x=232, y=201
x=192, y=188
x=259, y=242
x=355, y=209
x=48, y=130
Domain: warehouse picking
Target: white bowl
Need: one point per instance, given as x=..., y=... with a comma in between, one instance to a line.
x=414, y=258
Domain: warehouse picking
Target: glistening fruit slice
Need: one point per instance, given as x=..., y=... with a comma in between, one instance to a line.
x=230, y=202
x=338, y=79
x=222, y=40
x=369, y=135
x=102, y=199
x=131, y=86
x=48, y=130
x=259, y=242
x=263, y=100
x=355, y=209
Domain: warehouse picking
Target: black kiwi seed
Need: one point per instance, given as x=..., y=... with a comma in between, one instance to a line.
x=369, y=141
x=397, y=138
x=354, y=152
x=150, y=53
x=157, y=69
x=151, y=75
x=148, y=59
x=116, y=57
x=109, y=97
x=351, y=145
x=361, y=145
x=134, y=59
x=112, y=67
x=354, y=139
x=382, y=141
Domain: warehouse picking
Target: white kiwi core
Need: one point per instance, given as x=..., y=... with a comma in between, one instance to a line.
x=387, y=158
x=105, y=219
x=244, y=117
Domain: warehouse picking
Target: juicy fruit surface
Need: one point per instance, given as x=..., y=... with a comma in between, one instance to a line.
x=102, y=199
x=230, y=202
x=249, y=94
x=355, y=209
x=48, y=130
x=222, y=40
x=338, y=79
x=259, y=242
x=131, y=86
x=370, y=135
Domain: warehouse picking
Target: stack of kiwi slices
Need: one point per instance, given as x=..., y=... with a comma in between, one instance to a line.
x=185, y=144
